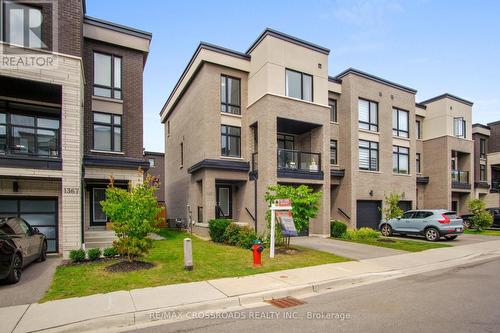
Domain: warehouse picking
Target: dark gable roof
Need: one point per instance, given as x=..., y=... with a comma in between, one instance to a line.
x=334, y=79
x=494, y=123
x=153, y=153
x=288, y=38
x=420, y=105
x=450, y=96
x=481, y=125
x=374, y=78
x=117, y=27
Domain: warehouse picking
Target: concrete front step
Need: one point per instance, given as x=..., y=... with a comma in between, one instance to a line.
x=101, y=245
x=99, y=238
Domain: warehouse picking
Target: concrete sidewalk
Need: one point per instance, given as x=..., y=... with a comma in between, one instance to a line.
x=345, y=249
x=143, y=307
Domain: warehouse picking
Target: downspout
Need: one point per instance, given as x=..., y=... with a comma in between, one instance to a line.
x=255, y=202
x=82, y=210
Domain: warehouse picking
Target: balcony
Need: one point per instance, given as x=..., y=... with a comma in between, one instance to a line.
x=495, y=186
x=299, y=164
x=460, y=180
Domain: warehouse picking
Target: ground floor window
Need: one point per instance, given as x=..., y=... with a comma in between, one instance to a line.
x=98, y=216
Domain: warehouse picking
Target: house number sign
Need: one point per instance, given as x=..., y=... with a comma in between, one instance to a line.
x=71, y=190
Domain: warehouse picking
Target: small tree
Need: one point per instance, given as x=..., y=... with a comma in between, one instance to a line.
x=305, y=202
x=134, y=213
x=391, y=208
x=480, y=219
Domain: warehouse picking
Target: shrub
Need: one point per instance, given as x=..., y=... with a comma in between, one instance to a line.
x=247, y=236
x=232, y=234
x=110, y=252
x=305, y=203
x=337, y=229
x=480, y=218
x=391, y=207
x=361, y=234
x=134, y=213
x=217, y=228
x=94, y=254
x=77, y=255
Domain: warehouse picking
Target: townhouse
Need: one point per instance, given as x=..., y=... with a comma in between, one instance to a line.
x=70, y=123
x=237, y=122
x=487, y=163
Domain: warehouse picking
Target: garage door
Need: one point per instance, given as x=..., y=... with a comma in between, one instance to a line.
x=368, y=213
x=38, y=212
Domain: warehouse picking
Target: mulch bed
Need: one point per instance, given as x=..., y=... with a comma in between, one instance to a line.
x=85, y=262
x=128, y=266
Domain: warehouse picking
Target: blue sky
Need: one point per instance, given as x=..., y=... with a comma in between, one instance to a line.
x=432, y=46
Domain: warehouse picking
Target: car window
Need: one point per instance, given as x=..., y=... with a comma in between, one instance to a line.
x=451, y=215
x=407, y=215
x=25, y=226
x=422, y=215
x=7, y=229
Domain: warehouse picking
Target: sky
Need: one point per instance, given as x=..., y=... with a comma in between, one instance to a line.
x=432, y=46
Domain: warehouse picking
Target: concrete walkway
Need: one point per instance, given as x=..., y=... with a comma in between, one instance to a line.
x=35, y=281
x=144, y=307
x=345, y=249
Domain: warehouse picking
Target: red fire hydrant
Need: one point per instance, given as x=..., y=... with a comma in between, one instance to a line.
x=257, y=249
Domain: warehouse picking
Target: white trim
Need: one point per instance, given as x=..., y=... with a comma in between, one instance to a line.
x=107, y=152
x=287, y=97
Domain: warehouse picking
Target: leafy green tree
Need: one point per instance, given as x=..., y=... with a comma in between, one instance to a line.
x=480, y=219
x=134, y=213
x=391, y=208
x=305, y=203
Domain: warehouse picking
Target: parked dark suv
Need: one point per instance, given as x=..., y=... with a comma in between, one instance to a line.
x=493, y=211
x=20, y=244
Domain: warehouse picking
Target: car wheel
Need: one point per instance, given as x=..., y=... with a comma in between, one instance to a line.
x=432, y=234
x=16, y=270
x=43, y=253
x=451, y=237
x=386, y=230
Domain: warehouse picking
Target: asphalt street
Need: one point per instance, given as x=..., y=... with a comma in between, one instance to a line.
x=460, y=299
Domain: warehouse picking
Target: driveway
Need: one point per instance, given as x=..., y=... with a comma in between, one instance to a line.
x=345, y=249
x=35, y=281
x=464, y=239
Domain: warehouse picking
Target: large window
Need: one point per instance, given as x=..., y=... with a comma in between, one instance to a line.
x=286, y=141
x=368, y=155
x=29, y=130
x=23, y=25
x=230, y=141
x=299, y=85
x=418, y=166
x=107, y=132
x=400, y=160
x=98, y=195
x=419, y=129
x=400, y=123
x=482, y=173
x=107, y=75
x=368, y=115
x=230, y=95
x=333, y=109
x=482, y=148
x=333, y=152
x=459, y=127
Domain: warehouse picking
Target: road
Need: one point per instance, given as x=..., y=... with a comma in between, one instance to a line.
x=459, y=299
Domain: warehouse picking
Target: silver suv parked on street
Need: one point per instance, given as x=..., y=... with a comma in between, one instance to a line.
x=433, y=224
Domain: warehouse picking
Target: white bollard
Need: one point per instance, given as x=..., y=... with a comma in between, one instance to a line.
x=188, y=254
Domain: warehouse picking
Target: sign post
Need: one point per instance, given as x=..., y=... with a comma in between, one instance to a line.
x=278, y=205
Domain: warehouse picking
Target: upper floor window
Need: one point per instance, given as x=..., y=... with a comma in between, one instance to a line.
x=333, y=109
x=25, y=132
x=419, y=159
x=400, y=122
x=482, y=148
x=368, y=155
x=230, y=141
x=151, y=162
x=400, y=160
x=299, y=85
x=459, y=127
x=333, y=152
x=107, y=132
x=107, y=75
x=286, y=141
x=230, y=95
x=482, y=173
x=22, y=25
x=368, y=115
x=419, y=129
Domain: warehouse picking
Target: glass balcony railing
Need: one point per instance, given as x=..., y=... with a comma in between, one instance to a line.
x=461, y=177
x=300, y=161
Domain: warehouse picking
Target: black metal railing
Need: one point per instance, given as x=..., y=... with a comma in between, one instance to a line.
x=219, y=213
x=295, y=160
x=344, y=214
x=461, y=177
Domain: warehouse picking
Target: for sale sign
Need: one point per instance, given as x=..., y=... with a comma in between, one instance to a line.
x=283, y=202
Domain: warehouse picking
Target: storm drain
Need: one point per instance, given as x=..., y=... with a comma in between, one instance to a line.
x=285, y=302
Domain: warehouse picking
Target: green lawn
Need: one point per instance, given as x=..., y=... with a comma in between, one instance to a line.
x=400, y=244
x=484, y=232
x=211, y=261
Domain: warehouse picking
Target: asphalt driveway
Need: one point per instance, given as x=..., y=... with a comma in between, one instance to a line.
x=345, y=249
x=35, y=281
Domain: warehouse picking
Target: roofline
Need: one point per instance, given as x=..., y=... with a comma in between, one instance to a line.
x=288, y=38
x=334, y=79
x=374, y=78
x=117, y=27
x=207, y=46
x=481, y=125
x=494, y=123
x=450, y=96
x=420, y=105
x=157, y=153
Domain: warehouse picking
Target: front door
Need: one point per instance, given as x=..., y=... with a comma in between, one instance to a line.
x=454, y=206
x=224, y=202
x=97, y=216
